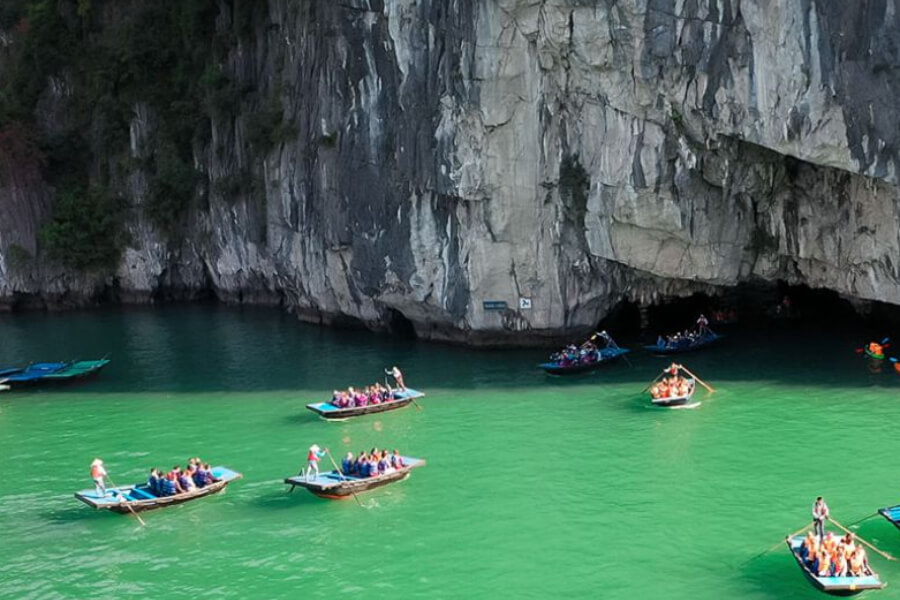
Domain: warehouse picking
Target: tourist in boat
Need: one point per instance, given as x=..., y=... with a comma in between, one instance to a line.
x=820, y=514
x=98, y=474
x=175, y=477
x=397, y=460
x=153, y=481
x=810, y=547
x=347, y=464
x=313, y=457
x=823, y=563
x=168, y=485
x=186, y=481
x=855, y=564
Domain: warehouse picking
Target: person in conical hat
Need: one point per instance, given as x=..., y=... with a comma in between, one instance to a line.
x=313, y=457
x=97, y=474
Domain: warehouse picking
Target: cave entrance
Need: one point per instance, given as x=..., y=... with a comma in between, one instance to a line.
x=623, y=319
x=770, y=305
x=399, y=325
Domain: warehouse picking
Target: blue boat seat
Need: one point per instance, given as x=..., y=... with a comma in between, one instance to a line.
x=141, y=494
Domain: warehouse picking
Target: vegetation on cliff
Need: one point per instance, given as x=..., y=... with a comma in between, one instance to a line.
x=72, y=73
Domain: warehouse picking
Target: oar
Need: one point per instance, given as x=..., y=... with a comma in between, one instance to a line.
x=127, y=504
x=655, y=379
x=697, y=379
x=413, y=399
x=884, y=554
x=341, y=475
x=866, y=518
x=790, y=535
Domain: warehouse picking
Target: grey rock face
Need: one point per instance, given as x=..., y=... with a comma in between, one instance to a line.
x=572, y=153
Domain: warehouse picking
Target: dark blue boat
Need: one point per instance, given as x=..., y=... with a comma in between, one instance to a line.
x=686, y=344
x=571, y=361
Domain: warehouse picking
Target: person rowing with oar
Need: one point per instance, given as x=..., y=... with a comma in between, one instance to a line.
x=398, y=377
x=820, y=513
x=312, y=460
x=98, y=473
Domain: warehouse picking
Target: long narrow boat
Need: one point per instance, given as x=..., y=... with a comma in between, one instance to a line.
x=585, y=358
x=51, y=373
x=335, y=486
x=138, y=497
x=329, y=411
x=595, y=360
x=686, y=345
x=836, y=586
x=892, y=514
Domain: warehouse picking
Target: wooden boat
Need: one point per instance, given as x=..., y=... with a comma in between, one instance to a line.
x=138, y=497
x=678, y=401
x=600, y=357
x=837, y=586
x=590, y=361
x=335, y=486
x=686, y=345
x=892, y=514
x=329, y=411
x=51, y=372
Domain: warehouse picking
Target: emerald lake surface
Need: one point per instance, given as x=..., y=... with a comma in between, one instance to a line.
x=536, y=487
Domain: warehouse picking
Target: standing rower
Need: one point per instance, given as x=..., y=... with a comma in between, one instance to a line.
x=820, y=513
x=312, y=460
x=398, y=377
x=97, y=474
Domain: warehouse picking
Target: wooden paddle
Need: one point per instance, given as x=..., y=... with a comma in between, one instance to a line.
x=862, y=541
x=787, y=537
x=123, y=499
x=341, y=475
x=697, y=379
x=655, y=379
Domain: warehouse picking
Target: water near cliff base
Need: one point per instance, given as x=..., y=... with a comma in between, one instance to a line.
x=536, y=487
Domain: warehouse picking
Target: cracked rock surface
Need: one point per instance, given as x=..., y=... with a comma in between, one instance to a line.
x=571, y=152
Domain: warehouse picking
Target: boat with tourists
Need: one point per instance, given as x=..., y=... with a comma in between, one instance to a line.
x=675, y=387
x=335, y=485
x=396, y=399
x=687, y=341
x=587, y=357
x=50, y=373
x=845, y=585
x=139, y=497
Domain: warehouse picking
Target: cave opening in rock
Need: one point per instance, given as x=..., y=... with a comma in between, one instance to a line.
x=623, y=319
x=769, y=305
x=399, y=325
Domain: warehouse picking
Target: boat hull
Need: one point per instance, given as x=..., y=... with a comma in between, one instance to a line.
x=836, y=586
x=698, y=345
x=328, y=411
x=53, y=374
x=333, y=486
x=132, y=499
x=676, y=401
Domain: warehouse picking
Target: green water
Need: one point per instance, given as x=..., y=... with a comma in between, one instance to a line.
x=535, y=487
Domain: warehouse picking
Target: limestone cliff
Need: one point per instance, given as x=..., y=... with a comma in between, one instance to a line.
x=440, y=154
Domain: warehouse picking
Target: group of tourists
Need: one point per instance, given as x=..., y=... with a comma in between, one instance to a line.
x=371, y=394
x=686, y=338
x=829, y=556
x=724, y=315
x=372, y=463
x=672, y=385
x=367, y=464
x=585, y=354
x=194, y=476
